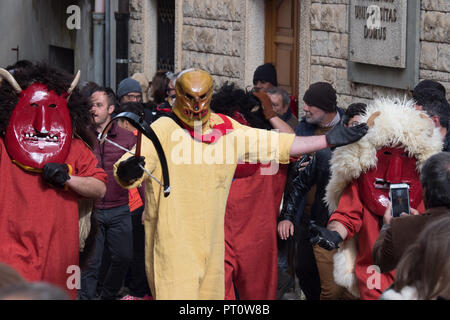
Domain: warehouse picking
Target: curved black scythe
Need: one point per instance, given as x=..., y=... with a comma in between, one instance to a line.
x=141, y=125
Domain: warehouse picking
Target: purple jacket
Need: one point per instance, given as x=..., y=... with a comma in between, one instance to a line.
x=108, y=154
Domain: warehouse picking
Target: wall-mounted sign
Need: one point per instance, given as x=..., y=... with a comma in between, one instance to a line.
x=378, y=32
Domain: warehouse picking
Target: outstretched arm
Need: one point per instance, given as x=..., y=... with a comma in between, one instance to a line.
x=339, y=135
x=302, y=145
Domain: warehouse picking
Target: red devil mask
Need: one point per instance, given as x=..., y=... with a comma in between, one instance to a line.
x=393, y=166
x=40, y=129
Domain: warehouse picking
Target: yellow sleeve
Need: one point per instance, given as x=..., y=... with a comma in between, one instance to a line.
x=260, y=145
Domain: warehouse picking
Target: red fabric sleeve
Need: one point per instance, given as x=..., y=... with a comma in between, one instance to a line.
x=84, y=163
x=350, y=210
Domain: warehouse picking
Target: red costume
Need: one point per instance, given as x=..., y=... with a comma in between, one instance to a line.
x=38, y=223
x=358, y=219
x=250, y=233
x=38, y=154
x=398, y=142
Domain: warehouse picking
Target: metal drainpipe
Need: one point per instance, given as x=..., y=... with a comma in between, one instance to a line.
x=122, y=19
x=98, y=17
x=107, y=43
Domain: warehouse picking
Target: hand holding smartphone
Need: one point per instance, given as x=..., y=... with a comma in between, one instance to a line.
x=399, y=195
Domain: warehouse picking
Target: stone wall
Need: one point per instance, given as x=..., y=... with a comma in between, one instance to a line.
x=435, y=42
x=136, y=38
x=213, y=34
x=329, y=49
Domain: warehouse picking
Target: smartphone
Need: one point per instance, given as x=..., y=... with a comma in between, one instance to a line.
x=399, y=194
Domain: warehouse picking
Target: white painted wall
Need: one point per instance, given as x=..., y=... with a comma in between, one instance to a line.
x=34, y=25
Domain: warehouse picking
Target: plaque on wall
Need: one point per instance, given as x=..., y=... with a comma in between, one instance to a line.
x=377, y=34
x=384, y=43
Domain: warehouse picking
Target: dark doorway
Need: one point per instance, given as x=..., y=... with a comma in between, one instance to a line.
x=166, y=35
x=62, y=58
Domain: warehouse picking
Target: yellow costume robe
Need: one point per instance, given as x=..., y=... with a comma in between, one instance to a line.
x=184, y=232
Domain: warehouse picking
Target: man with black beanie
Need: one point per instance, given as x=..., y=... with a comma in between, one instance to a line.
x=265, y=77
x=321, y=115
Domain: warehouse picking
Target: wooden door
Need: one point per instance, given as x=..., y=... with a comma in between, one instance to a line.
x=281, y=41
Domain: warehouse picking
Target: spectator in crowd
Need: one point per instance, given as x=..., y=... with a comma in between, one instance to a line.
x=280, y=104
x=427, y=90
x=145, y=85
x=158, y=89
x=112, y=212
x=33, y=291
x=167, y=104
x=9, y=276
x=423, y=272
x=21, y=64
x=399, y=141
x=130, y=90
x=430, y=96
x=398, y=233
x=321, y=114
x=265, y=77
x=316, y=174
x=439, y=112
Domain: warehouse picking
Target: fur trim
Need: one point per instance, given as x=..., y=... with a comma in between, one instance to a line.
x=398, y=124
x=344, y=266
x=407, y=293
x=84, y=220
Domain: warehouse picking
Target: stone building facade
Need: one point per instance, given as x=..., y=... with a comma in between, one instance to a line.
x=226, y=38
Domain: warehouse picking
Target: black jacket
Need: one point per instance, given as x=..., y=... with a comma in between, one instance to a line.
x=317, y=172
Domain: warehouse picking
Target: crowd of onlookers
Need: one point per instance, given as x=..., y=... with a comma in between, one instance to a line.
x=416, y=245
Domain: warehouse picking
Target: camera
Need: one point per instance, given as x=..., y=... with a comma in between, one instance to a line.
x=399, y=194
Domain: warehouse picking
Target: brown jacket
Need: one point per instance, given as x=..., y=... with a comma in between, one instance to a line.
x=403, y=231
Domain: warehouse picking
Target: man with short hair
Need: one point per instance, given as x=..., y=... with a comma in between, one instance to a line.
x=398, y=233
x=439, y=111
x=112, y=212
x=430, y=96
x=280, y=104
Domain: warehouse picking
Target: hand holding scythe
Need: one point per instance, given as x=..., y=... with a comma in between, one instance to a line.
x=133, y=167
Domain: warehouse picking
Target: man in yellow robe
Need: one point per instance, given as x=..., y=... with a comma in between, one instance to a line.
x=185, y=231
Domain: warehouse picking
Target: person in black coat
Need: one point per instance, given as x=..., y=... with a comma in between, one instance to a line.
x=315, y=175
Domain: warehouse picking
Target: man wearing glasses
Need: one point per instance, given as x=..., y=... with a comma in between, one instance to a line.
x=129, y=90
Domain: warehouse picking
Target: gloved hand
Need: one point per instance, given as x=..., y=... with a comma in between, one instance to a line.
x=129, y=169
x=56, y=174
x=325, y=238
x=340, y=135
x=266, y=104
